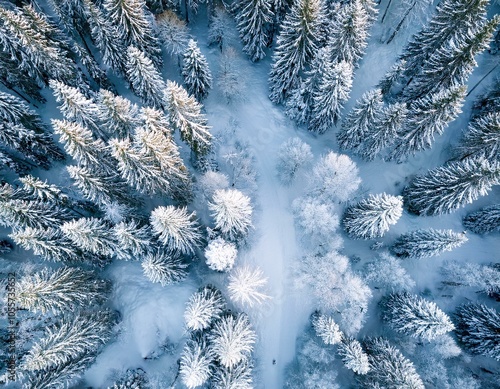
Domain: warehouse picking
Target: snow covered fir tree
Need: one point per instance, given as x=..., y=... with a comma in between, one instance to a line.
x=238, y=194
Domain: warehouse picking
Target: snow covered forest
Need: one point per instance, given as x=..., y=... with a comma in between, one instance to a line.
x=237, y=194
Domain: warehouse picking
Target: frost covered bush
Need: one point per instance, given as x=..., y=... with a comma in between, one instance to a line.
x=220, y=255
x=386, y=272
x=335, y=178
x=246, y=285
x=203, y=308
x=232, y=213
x=317, y=220
x=212, y=181
x=293, y=155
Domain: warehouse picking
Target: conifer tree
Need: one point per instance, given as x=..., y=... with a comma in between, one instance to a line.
x=133, y=23
x=231, y=339
x=164, y=268
x=176, y=228
x=246, y=286
x=348, y=33
x=196, y=73
x=239, y=376
x=76, y=107
x=144, y=79
x=427, y=243
x=196, y=363
x=35, y=189
x=203, y=308
x=326, y=328
x=392, y=77
x=447, y=188
x=59, y=290
x=415, y=316
x=133, y=238
x=253, y=18
x=482, y=138
x=69, y=339
x=389, y=368
x=117, y=114
x=384, y=131
x=186, y=117
x=92, y=235
x=296, y=45
x=220, y=254
x=353, y=356
x=105, y=36
x=478, y=328
x=49, y=243
x=372, y=216
x=427, y=118
x=173, y=32
x=484, y=220
x=232, y=213
x=360, y=120
x=80, y=144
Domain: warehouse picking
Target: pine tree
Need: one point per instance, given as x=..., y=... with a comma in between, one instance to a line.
x=117, y=114
x=326, y=328
x=196, y=73
x=483, y=221
x=293, y=155
x=296, y=45
x=426, y=119
x=49, y=243
x=245, y=286
x=360, y=120
x=384, y=131
x=69, y=339
x=335, y=177
x=253, y=18
x=186, y=117
x=133, y=23
x=133, y=238
x=195, y=364
x=176, y=228
x=348, y=33
x=92, y=235
x=237, y=377
x=34, y=188
x=447, y=188
x=427, y=243
x=232, y=213
x=144, y=79
x=220, y=255
x=478, y=329
x=482, y=138
x=372, y=216
x=59, y=290
x=452, y=63
x=231, y=339
x=76, y=107
x=164, y=268
x=173, y=32
x=81, y=145
x=333, y=91
x=389, y=368
x=203, y=308
x=415, y=316
x=353, y=356
x=105, y=36
x=392, y=77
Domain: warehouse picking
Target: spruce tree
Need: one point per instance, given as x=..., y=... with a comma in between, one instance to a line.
x=478, y=329
x=332, y=93
x=92, y=235
x=185, y=116
x=60, y=290
x=360, y=120
x=246, y=285
x=239, y=376
x=253, y=18
x=176, y=228
x=295, y=47
x=133, y=238
x=144, y=79
x=117, y=114
x=383, y=131
x=326, y=328
x=483, y=221
x=196, y=363
x=391, y=78
x=427, y=118
x=353, y=356
x=372, y=217
x=232, y=213
x=447, y=188
x=415, y=316
x=427, y=243
x=482, y=138
x=133, y=22
x=164, y=268
x=203, y=308
x=196, y=73
x=348, y=33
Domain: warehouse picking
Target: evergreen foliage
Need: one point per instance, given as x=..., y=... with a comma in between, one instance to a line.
x=195, y=71
x=483, y=221
x=164, y=268
x=482, y=138
x=232, y=213
x=326, y=328
x=353, y=356
x=203, y=308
